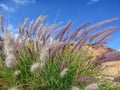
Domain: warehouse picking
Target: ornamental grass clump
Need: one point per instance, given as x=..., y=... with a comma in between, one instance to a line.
x=51, y=57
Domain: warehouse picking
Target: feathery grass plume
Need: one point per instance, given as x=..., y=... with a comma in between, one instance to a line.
x=35, y=67
x=30, y=52
x=39, y=32
x=80, y=43
x=40, y=28
x=102, y=39
x=93, y=86
x=63, y=65
x=111, y=56
x=74, y=34
x=84, y=35
x=44, y=54
x=24, y=25
x=63, y=72
x=78, y=35
x=85, y=79
x=28, y=40
x=27, y=32
x=0, y=20
x=74, y=88
x=114, y=54
x=99, y=24
x=17, y=72
x=66, y=30
x=10, y=45
x=48, y=36
x=49, y=50
x=116, y=79
x=30, y=27
x=36, y=47
x=13, y=88
x=55, y=48
x=43, y=30
x=109, y=29
x=47, y=33
x=1, y=23
x=10, y=61
x=1, y=40
x=22, y=45
x=63, y=50
x=19, y=29
x=61, y=34
x=18, y=41
x=44, y=35
x=38, y=21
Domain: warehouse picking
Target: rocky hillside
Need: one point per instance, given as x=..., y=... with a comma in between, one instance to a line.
x=108, y=59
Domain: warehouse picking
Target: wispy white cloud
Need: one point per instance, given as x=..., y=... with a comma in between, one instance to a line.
x=90, y=2
x=6, y=8
x=23, y=2
x=11, y=28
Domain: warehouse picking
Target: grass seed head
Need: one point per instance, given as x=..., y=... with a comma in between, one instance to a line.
x=10, y=61
x=64, y=72
x=13, y=88
x=34, y=67
x=17, y=72
x=74, y=88
x=93, y=86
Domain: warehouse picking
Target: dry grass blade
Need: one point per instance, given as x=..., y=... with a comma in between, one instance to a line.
x=2, y=82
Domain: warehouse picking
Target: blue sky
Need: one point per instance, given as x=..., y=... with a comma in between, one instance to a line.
x=79, y=11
